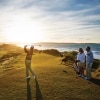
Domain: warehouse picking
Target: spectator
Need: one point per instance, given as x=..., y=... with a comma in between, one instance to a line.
x=81, y=62
x=89, y=62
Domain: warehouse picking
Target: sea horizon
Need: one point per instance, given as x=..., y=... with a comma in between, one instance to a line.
x=95, y=47
x=61, y=47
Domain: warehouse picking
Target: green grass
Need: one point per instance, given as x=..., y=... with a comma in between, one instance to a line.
x=54, y=81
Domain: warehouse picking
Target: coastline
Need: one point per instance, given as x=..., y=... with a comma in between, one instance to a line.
x=61, y=47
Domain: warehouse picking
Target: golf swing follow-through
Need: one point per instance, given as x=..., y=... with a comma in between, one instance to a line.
x=29, y=53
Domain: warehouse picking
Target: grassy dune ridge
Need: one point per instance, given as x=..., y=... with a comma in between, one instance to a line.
x=55, y=81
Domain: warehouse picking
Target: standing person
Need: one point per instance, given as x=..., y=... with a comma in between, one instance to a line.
x=29, y=53
x=89, y=62
x=81, y=62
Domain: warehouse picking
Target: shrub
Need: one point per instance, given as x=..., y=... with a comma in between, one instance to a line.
x=96, y=64
x=71, y=55
x=52, y=52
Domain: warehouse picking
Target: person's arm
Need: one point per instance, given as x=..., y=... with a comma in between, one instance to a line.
x=91, y=56
x=25, y=50
x=77, y=59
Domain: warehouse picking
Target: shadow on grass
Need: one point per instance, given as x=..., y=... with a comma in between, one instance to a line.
x=29, y=97
x=38, y=92
x=95, y=81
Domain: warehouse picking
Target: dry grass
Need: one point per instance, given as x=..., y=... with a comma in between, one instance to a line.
x=54, y=81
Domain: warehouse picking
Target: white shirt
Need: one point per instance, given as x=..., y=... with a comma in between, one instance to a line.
x=81, y=57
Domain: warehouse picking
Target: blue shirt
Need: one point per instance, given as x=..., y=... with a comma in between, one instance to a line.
x=89, y=57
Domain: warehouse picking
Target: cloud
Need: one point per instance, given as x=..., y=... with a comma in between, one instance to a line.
x=60, y=19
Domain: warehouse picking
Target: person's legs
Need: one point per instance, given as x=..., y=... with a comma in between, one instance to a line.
x=82, y=72
x=83, y=66
x=27, y=63
x=81, y=69
x=30, y=69
x=88, y=70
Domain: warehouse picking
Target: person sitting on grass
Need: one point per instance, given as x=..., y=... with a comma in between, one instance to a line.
x=29, y=53
x=81, y=62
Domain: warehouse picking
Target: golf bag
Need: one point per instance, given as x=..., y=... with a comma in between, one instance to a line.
x=76, y=68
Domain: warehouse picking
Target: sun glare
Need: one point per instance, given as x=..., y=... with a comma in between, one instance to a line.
x=24, y=31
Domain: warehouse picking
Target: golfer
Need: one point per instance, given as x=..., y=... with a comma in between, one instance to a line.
x=29, y=53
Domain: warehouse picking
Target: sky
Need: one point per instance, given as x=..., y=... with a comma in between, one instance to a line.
x=75, y=21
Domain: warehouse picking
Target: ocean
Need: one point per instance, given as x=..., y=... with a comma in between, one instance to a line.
x=95, y=48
